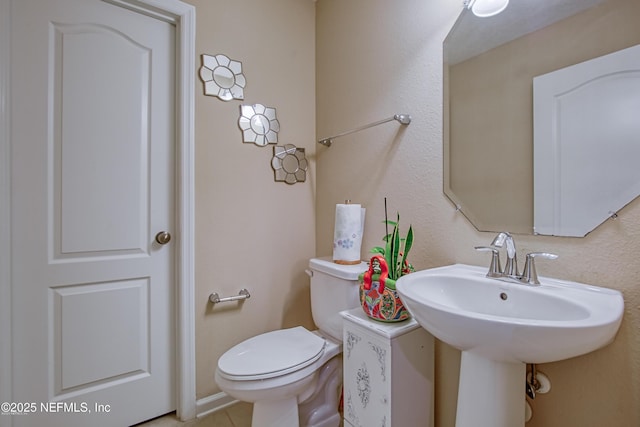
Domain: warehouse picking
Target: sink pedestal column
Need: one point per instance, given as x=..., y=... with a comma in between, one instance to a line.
x=490, y=393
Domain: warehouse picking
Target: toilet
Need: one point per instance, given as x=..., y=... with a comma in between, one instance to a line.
x=293, y=376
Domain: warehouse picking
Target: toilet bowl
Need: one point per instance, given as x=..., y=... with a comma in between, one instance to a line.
x=280, y=370
x=293, y=376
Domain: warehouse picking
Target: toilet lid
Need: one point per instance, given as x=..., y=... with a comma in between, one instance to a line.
x=271, y=354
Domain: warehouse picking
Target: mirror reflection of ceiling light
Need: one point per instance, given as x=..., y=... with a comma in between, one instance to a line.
x=485, y=8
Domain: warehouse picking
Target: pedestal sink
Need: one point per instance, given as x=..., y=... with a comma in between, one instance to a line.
x=501, y=326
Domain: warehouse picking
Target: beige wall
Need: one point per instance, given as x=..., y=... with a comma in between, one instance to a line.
x=374, y=58
x=379, y=57
x=251, y=231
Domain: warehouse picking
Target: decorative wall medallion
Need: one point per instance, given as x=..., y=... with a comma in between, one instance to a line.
x=382, y=353
x=289, y=164
x=259, y=124
x=222, y=77
x=364, y=385
x=352, y=340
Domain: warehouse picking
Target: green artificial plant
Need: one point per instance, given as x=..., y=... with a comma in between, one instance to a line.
x=396, y=250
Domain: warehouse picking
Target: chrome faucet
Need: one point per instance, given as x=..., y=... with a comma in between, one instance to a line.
x=529, y=275
x=506, y=239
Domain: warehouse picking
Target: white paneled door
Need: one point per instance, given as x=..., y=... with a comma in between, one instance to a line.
x=92, y=185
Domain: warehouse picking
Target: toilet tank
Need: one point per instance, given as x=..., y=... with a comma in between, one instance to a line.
x=334, y=288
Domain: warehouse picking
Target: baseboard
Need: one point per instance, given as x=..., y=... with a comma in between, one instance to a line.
x=213, y=403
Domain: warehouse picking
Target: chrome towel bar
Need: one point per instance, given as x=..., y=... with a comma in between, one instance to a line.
x=403, y=119
x=242, y=295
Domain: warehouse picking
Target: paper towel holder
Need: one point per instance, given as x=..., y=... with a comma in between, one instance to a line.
x=403, y=119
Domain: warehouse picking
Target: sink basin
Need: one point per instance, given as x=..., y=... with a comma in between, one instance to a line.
x=511, y=322
x=500, y=326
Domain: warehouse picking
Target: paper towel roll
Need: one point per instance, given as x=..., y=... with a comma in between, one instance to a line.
x=347, y=235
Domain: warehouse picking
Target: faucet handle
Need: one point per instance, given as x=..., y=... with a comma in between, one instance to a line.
x=495, y=270
x=529, y=274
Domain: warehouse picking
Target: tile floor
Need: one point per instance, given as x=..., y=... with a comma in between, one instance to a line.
x=238, y=415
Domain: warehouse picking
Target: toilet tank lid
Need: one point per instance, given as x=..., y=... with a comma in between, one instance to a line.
x=327, y=266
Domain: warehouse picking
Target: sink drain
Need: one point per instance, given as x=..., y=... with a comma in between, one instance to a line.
x=503, y=296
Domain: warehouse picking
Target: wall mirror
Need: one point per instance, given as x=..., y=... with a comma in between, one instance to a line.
x=259, y=124
x=489, y=68
x=289, y=164
x=222, y=77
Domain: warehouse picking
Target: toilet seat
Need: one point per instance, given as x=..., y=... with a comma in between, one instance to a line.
x=271, y=354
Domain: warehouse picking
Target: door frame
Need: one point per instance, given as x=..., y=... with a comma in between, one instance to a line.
x=183, y=16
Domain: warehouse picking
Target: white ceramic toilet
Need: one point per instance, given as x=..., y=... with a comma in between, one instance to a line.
x=293, y=376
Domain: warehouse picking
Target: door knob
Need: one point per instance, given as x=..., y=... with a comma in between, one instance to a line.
x=163, y=237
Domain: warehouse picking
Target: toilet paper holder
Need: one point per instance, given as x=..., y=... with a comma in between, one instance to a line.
x=244, y=294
